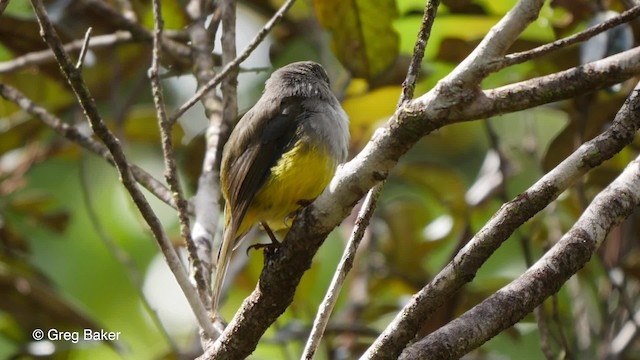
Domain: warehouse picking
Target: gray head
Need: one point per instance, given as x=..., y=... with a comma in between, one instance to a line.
x=304, y=78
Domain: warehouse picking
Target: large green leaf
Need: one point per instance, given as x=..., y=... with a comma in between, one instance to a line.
x=362, y=36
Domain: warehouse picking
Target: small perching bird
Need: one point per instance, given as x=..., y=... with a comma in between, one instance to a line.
x=280, y=156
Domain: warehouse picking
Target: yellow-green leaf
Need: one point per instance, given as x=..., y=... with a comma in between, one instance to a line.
x=362, y=36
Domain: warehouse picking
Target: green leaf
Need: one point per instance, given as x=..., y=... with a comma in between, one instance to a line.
x=363, y=39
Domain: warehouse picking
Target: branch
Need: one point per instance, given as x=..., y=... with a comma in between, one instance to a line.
x=72, y=134
x=520, y=57
x=132, y=32
x=629, y=331
x=229, y=85
x=282, y=272
x=83, y=50
x=546, y=89
x=371, y=200
x=510, y=216
x=409, y=83
x=3, y=5
x=470, y=72
x=135, y=277
x=511, y=303
x=340, y=275
x=74, y=78
x=233, y=65
x=176, y=50
x=206, y=199
x=46, y=56
x=171, y=171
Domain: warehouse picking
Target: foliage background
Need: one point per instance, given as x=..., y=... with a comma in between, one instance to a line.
x=60, y=207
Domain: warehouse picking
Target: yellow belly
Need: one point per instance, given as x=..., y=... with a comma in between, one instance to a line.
x=300, y=175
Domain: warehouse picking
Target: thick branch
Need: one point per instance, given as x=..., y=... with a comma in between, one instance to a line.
x=370, y=202
x=562, y=85
x=511, y=215
x=511, y=303
x=417, y=118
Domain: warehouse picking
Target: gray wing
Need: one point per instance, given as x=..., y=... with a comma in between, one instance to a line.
x=255, y=146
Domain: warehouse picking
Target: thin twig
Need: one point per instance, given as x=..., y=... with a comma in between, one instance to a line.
x=83, y=50
x=539, y=312
x=555, y=315
x=74, y=135
x=127, y=10
x=545, y=334
x=3, y=5
x=520, y=57
x=340, y=275
x=464, y=81
x=371, y=200
x=261, y=35
x=409, y=84
x=626, y=337
x=74, y=78
x=206, y=206
x=229, y=85
x=46, y=56
x=118, y=253
x=171, y=172
x=177, y=50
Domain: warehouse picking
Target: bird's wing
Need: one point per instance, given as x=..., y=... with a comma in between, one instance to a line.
x=257, y=147
x=247, y=171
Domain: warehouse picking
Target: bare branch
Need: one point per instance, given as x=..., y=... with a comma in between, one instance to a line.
x=236, y=62
x=520, y=57
x=118, y=253
x=206, y=199
x=570, y=254
x=409, y=83
x=340, y=275
x=46, y=56
x=3, y=5
x=370, y=202
x=558, y=86
x=83, y=50
x=472, y=70
x=171, y=171
x=74, y=135
x=74, y=77
x=230, y=83
x=512, y=214
x=283, y=270
x=177, y=50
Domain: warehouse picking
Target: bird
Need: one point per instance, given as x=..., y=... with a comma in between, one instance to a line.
x=279, y=157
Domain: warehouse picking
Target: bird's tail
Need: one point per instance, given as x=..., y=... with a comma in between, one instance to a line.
x=224, y=259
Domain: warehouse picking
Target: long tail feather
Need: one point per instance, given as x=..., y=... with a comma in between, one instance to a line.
x=224, y=259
